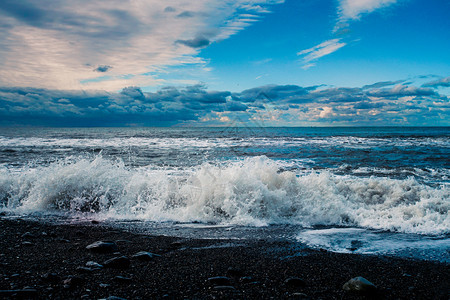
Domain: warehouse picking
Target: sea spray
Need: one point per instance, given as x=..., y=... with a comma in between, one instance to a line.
x=252, y=191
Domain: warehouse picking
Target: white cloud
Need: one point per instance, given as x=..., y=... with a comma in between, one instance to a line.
x=353, y=9
x=319, y=51
x=59, y=44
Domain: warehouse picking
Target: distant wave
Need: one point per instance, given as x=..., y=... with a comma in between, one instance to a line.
x=253, y=191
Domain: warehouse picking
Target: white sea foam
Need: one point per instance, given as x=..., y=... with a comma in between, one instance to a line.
x=343, y=141
x=252, y=191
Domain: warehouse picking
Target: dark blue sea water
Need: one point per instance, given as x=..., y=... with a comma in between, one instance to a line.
x=385, y=190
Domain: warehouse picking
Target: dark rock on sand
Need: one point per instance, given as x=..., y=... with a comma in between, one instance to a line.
x=299, y=296
x=27, y=235
x=86, y=269
x=224, y=288
x=114, y=298
x=144, y=255
x=122, y=279
x=102, y=247
x=175, y=245
x=247, y=279
x=120, y=262
x=19, y=294
x=220, y=281
x=93, y=264
x=294, y=282
x=359, y=284
x=51, y=277
x=73, y=282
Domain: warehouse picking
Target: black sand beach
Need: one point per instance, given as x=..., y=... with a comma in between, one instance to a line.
x=41, y=261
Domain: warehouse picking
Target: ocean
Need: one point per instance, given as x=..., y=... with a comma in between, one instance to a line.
x=367, y=190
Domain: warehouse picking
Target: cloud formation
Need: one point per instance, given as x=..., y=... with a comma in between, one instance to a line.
x=319, y=51
x=347, y=11
x=353, y=9
x=54, y=44
x=381, y=103
x=443, y=82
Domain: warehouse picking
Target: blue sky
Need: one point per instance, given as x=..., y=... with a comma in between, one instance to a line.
x=224, y=63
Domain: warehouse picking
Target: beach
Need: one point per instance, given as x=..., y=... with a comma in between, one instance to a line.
x=42, y=261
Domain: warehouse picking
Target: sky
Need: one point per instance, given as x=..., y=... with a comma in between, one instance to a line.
x=224, y=63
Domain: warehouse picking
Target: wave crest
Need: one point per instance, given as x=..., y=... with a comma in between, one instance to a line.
x=253, y=191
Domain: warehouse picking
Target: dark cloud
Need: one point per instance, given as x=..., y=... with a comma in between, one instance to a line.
x=23, y=11
x=281, y=104
x=169, y=9
x=272, y=93
x=198, y=42
x=185, y=14
x=102, y=68
x=381, y=84
x=401, y=91
x=443, y=82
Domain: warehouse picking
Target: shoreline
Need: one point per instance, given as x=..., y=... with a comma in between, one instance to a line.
x=45, y=261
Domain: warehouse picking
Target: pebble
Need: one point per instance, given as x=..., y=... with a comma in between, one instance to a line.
x=122, y=279
x=93, y=264
x=144, y=255
x=19, y=294
x=294, y=282
x=86, y=269
x=27, y=244
x=220, y=281
x=102, y=247
x=359, y=284
x=120, y=262
x=27, y=235
x=299, y=296
x=51, y=277
x=224, y=288
x=73, y=281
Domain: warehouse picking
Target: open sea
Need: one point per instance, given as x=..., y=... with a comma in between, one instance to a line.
x=378, y=190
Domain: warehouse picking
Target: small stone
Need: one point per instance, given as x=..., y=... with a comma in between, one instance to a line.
x=294, y=282
x=120, y=262
x=102, y=247
x=27, y=235
x=220, y=281
x=51, y=277
x=73, y=282
x=144, y=255
x=114, y=298
x=86, y=269
x=27, y=244
x=246, y=279
x=19, y=294
x=95, y=222
x=93, y=264
x=299, y=296
x=359, y=284
x=122, y=279
x=224, y=288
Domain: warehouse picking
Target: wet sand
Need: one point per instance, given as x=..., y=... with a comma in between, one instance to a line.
x=43, y=261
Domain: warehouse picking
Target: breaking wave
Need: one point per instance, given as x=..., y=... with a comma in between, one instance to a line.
x=252, y=191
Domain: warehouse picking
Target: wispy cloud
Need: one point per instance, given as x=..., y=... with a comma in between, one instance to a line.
x=319, y=51
x=353, y=9
x=347, y=10
x=57, y=44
